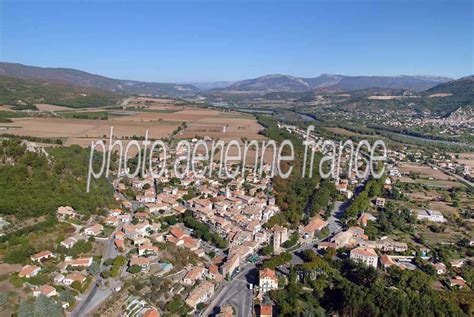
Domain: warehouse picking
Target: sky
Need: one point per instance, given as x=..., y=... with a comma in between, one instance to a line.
x=199, y=41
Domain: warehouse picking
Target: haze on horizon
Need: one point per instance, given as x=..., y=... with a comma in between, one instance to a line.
x=215, y=41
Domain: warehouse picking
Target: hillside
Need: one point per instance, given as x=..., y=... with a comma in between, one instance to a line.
x=269, y=83
x=456, y=93
x=81, y=78
x=326, y=82
x=349, y=83
x=462, y=86
x=15, y=91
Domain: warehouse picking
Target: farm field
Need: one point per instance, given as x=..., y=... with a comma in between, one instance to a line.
x=423, y=171
x=161, y=119
x=47, y=107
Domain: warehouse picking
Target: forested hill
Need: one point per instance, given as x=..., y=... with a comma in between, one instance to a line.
x=448, y=97
x=32, y=184
x=84, y=79
x=461, y=87
x=16, y=91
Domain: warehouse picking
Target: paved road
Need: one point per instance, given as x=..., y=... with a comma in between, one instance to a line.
x=96, y=295
x=235, y=292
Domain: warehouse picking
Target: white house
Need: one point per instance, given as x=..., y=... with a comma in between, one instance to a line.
x=267, y=280
x=365, y=255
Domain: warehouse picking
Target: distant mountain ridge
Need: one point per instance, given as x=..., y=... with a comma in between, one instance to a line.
x=261, y=85
x=286, y=83
x=85, y=79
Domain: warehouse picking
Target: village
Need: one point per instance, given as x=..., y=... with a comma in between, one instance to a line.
x=205, y=235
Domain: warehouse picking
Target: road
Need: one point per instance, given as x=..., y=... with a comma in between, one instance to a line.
x=96, y=295
x=235, y=292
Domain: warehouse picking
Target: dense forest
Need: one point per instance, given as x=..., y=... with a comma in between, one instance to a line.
x=34, y=184
x=294, y=195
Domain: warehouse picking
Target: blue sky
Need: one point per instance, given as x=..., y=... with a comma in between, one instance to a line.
x=231, y=40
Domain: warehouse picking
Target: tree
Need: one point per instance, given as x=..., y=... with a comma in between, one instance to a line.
x=267, y=250
x=67, y=296
x=93, y=269
x=134, y=269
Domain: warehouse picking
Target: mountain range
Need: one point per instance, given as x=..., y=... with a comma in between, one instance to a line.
x=286, y=83
x=84, y=79
x=260, y=85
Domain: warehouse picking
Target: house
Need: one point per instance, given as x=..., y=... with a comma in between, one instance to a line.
x=315, y=225
x=267, y=280
x=266, y=310
x=200, y=294
x=386, y=261
x=46, y=290
x=115, y=212
x=41, y=256
x=124, y=218
x=384, y=245
x=74, y=277
x=430, y=215
x=364, y=255
x=365, y=218
x=213, y=273
x=202, y=203
x=119, y=244
x=69, y=242
x=348, y=194
x=341, y=187
x=229, y=267
x=112, y=221
x=151, y=312
x=193, y=275
x=65, y=212
x=380, y=202
x=145, y=250
x=141, y=215
x=457, y=262
x=440, y=268
x=177, y=232
x=325, y=245
x=144, y=263
x=29, y=271
x=457, y=282
x=191, y=244
x=94, y=230
x=148, y=197
x=80, y=262
x=58, y=279
x=156, y=208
